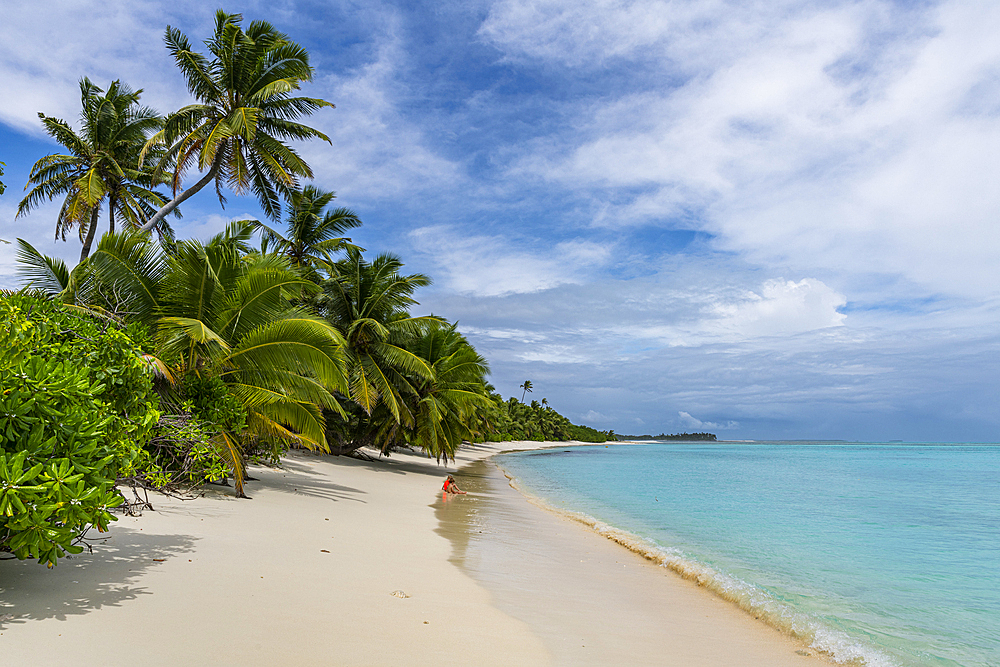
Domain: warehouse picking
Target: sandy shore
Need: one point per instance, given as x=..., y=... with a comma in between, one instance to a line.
x=304, y=573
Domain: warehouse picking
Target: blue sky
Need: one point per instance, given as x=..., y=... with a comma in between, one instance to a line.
x=764, y=219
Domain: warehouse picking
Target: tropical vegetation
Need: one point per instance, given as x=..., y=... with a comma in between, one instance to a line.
x=76, y=407
x=165, y=363
x=514, y=420
x=314, y=235
x=102, y=166
x=238, y=130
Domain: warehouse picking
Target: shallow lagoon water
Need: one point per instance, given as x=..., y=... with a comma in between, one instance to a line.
x=879, y=554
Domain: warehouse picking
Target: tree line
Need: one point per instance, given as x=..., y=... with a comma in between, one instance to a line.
x=690, y=437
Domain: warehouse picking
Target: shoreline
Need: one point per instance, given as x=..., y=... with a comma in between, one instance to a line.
x=523, y=550
x=305, y=573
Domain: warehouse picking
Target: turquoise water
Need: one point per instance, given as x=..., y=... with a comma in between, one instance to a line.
x=879, y=554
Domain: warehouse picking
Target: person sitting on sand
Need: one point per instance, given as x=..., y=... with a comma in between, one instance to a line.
x=450, y=486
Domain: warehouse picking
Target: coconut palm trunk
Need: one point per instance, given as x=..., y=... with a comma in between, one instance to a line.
x=183, y=196
x=91, y=232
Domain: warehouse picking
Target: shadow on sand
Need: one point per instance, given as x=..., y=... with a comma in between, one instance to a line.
x=84, y=583
x=399, y=464
x=302, y=475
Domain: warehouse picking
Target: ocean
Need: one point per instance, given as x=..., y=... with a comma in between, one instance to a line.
x=886, y=555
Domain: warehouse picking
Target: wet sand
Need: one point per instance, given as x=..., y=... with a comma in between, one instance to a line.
x=591, y=601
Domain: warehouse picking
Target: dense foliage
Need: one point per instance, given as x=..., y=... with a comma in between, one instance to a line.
x=76, y=408
x=239, y=128
x=219, y=311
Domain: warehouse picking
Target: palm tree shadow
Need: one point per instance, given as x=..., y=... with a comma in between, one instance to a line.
x=399, y=466
x=87, y=582
x=299, y=476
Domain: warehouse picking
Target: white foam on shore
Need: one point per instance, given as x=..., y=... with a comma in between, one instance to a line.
x=835, y=644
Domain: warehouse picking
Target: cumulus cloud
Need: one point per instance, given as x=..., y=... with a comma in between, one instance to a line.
x=783, y=307
x=593, y=416
x=777, y=308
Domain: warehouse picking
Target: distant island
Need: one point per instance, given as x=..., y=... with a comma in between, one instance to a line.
x=676, y=436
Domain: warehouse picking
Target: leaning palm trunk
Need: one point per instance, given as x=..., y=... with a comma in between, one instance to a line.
x=169, y=207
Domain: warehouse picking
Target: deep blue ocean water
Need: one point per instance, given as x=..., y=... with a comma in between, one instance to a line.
x=880, y=554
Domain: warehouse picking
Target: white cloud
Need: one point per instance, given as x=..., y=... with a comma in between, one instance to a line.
x=778, y=308
x=593, y=416
x=589, y=34
x=519, y=335
x=46, y=47
x=687, y=421
x=489, y=266
x=855, y=137
x=555, y=354
x=377, y=153
x=782, y=307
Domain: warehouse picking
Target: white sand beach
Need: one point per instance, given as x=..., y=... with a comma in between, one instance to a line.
x=304, y=574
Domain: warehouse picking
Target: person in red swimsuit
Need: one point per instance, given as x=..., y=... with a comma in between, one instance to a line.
x=450, y=486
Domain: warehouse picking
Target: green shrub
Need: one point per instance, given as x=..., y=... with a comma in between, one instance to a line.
x=209, y=399
x=182, y=454
x=76, y=406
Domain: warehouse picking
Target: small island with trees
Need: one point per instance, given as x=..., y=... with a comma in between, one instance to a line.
x=686, y=437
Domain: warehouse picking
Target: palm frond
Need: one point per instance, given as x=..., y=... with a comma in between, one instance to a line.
x=129, y=265
x=48, y=274
x=229, y=450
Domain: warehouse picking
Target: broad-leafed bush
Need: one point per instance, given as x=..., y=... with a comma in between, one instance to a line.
x=76, y=407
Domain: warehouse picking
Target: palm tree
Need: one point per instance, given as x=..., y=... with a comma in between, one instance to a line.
x=367, y=302
x=2, y=186
x=449, y=402
x=220, y=313
x=102, y=164
x=311, y=236
x=526, y=387
x=235, y=133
